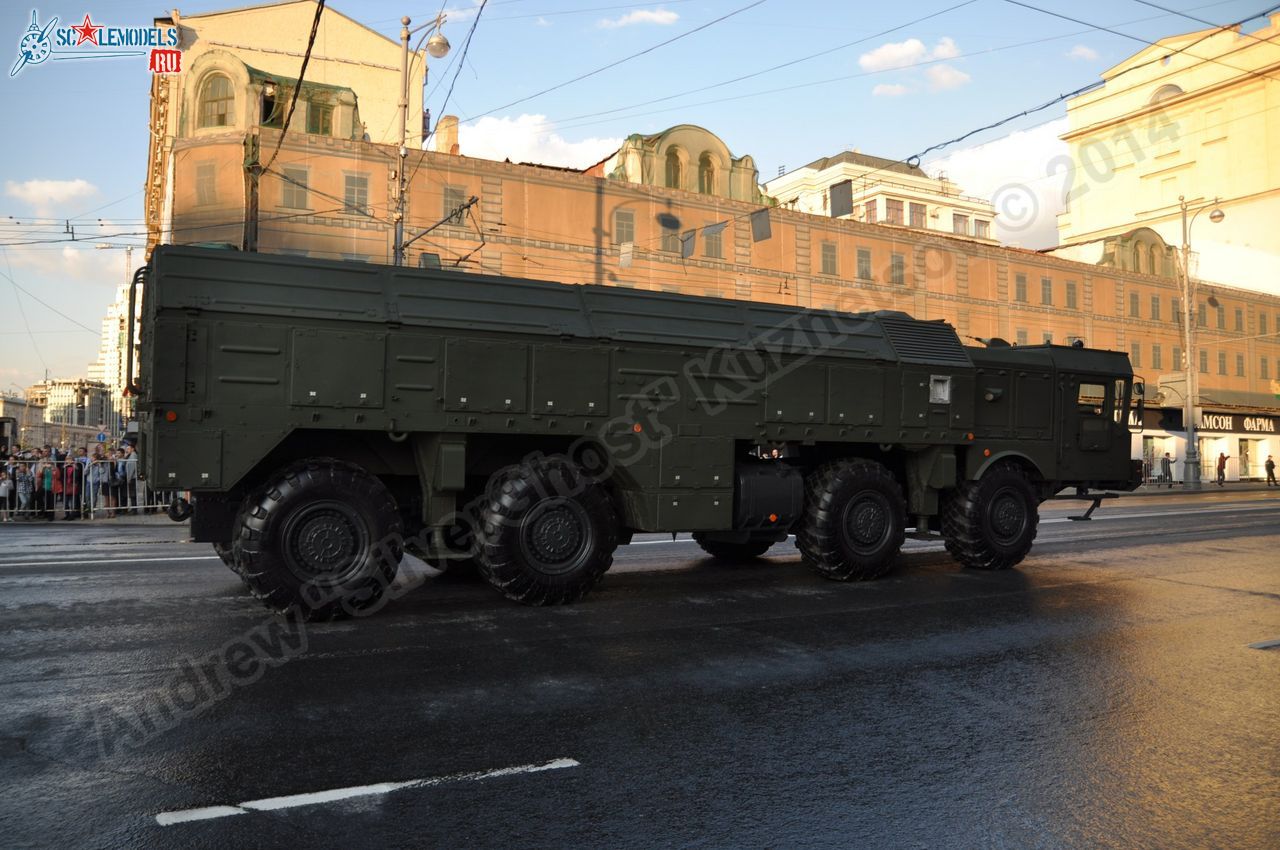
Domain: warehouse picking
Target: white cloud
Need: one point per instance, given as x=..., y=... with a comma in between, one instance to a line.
x=47, y=196
x=1081, y=51
x=944, y=77
x=1017, y=172
x=945, y=49
x=462, y=13
x=902, y=54
x=542, y=22
x=889, y=90
x=530, y=138
x=660, y=16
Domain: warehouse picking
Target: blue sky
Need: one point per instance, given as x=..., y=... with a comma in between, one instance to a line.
x=77, y=148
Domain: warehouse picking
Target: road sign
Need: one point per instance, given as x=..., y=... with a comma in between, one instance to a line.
x=102, y=436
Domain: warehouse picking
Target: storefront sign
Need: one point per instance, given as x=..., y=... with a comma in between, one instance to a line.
x=1238, y=423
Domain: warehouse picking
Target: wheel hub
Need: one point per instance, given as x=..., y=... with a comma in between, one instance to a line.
x=555, y=536
x=1007, y=516
x=323, y=542
x=866, y=522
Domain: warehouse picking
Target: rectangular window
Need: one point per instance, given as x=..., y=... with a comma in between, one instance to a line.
x=1133, y=305
x=897, y=269
x=1222, y=318
x=864, y=264
x=1262, y=323
x=1204, y=361
x=1155, y=308
x=1222, y=362
x=713, y=242
x=869, y=214
x=893, y=211
x=355, y=195
x=624, y=226
x=273, y=106
x=1135, y=354
x=1071, y=295
x=319, y=119
x=1048, y=337
x=917, y=215
x=293, y=191
x=454, y=197
x=981, y=229
x=829, y=258
x=206, y=184
x=1201, y=315
x=1022, y=336
x=1046, y=290
x=1157, y=357
x=1177, y=358
x=670, y=237
x=1020, y=287
x=1263, y=371
x=1239, y=319
x=1239, y=365
x=960, y=224
x=1176, y=311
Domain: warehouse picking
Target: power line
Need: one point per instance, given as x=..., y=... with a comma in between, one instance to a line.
x=617, y=62
x=302, y=73
x=23, y=312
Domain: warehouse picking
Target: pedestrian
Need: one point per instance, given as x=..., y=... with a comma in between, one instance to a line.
x=129, y=464
x=1270, y=467
x=1166, y=470
x=44, y=475
x=25, y=484
x=72, y=481
x=6, y=488
x=1222, y=469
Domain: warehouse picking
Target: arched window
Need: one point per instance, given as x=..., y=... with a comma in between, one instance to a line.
x=1137, y=258
x=707, y=175
x=1153, y=266
x=216, y=102
x=1165, y=92
x=674, y=178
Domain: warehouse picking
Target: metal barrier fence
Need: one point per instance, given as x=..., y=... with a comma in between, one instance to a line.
x=76, y=489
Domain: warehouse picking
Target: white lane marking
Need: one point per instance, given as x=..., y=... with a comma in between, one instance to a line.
x=268, y=804
x=106, y=561
x=1265, y=644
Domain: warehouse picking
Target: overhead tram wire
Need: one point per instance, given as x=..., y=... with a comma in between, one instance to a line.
x=617, y=62
x=1201, y=20
x=1141, y=40
x=302, y=73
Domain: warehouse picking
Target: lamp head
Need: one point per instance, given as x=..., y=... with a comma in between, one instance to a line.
x=438, y=46
x=1217, y=216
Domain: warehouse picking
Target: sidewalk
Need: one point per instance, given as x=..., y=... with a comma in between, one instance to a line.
x=1205, y=486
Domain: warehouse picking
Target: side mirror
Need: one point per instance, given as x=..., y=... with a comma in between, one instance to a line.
x=1139, y=408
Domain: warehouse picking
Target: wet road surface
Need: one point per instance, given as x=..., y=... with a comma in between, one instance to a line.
x=1105, y=694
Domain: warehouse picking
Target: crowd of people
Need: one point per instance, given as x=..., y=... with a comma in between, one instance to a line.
x=48, y=483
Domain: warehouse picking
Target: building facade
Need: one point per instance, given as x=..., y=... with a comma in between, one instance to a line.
x=1193, y=116
x=331, y=197
x=874, y=190
x=74, y=401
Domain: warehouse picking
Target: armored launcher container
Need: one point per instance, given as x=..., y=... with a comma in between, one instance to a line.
x=326, y=415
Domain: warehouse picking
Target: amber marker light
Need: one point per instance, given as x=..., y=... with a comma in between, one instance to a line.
x=171, y=416
x=986, y=452
x=969, y=436
x=636, y=427
x=773, y=517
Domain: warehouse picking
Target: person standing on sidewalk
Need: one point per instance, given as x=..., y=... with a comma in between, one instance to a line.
x=25, y=484
x=130, y=465
x=1222, y=469
x=1270, y=467
x=1166, y=470
x=6, y=487
x=72, y=481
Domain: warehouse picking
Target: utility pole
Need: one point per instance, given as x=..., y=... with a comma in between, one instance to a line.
x=1191, y=466
x=252, y=173
x=437, y=47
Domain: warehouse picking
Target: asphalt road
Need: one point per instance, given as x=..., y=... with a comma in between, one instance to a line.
x=1105, y=694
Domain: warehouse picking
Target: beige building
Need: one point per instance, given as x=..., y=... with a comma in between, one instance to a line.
x=1193, y=116
x=71, y=401
x=330, y=197
x=239, y=73
x=874, y=190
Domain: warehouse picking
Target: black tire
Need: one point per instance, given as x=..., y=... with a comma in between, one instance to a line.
x=322, y=539
x=547, y=533
x=990, y=524
x=227, y=553
x=733, y=552
x=855, y=520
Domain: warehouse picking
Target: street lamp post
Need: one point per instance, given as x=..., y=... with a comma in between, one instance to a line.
x=437, y=47
x=1191, y=469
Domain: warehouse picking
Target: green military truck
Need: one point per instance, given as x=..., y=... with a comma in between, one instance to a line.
x=327, y=415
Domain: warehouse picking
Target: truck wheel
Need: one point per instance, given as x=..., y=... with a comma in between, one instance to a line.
x=547, y=533
x=990, y=524
x=321, y=540
x=855, y=520
x=725, y=551
x=227, y=553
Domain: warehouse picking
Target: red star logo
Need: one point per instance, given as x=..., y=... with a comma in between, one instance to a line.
x=87, y=31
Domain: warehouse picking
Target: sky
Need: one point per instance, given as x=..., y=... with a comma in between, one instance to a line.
x=563, y=82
